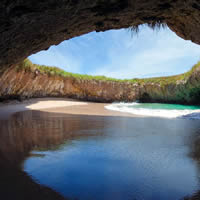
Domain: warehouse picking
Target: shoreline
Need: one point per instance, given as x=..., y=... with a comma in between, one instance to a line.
x=72, y=107
x=57, y=105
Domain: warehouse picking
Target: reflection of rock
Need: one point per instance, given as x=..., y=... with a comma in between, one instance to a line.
x=31, y=130
x=194, y=144
x=15, y=143
x=16, y=185
x=195, y=149
x=194, y=197
x=21, y=134
x=166, y=90
x=27, y=27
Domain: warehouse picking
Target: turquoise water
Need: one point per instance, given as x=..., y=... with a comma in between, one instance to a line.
x=164, y=106
x=157, y=109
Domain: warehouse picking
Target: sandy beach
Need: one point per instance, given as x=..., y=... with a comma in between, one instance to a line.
x=58, y=105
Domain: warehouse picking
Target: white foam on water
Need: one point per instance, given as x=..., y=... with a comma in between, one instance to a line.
x=173, y=113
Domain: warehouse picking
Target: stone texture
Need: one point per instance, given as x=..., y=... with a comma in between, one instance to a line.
x=26, y=84
x=28, y=26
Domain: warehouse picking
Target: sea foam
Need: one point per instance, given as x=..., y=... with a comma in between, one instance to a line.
x=136, y=109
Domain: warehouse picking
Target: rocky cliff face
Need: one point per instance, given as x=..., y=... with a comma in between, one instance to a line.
x=20, y=84
x=183, y=90
x=24, y=84
x=28, y=26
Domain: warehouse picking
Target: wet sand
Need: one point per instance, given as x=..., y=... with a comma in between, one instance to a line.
x=58, y=105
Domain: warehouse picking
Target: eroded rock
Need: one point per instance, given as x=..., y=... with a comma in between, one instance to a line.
x=28, y=26
x=24, y=83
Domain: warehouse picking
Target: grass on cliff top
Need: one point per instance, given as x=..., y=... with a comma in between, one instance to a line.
x=28, y=66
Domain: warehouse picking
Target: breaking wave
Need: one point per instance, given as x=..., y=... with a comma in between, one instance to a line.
x=157, y=109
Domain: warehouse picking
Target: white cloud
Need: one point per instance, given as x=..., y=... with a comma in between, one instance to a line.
x=117, y=54
x=150, y=53
x=55, y=57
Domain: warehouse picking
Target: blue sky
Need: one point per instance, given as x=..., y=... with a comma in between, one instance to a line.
x=120, y=54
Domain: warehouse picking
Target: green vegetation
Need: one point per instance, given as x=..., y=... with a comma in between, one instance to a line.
x=28, y=66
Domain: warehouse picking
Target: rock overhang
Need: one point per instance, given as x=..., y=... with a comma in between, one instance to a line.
x=28, y=26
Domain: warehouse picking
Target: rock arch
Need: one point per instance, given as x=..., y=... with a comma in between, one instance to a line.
x=28, y=26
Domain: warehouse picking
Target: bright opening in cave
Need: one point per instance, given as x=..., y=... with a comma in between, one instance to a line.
x=121, y=54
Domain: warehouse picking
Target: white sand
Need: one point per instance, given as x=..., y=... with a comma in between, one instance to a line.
x=53, y=104
x=59, y=105
x=7, y=109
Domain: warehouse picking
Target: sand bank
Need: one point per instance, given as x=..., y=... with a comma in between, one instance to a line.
x=9, y=108
x=58, y=105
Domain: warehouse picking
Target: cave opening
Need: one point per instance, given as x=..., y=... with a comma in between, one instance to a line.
x=123, y=54
x=116, y=65
x=99, y=150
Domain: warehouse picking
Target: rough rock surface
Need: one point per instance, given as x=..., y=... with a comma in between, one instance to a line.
x=28, y=26
x=26, y=84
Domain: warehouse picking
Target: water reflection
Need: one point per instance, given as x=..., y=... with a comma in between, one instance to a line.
x=31, y=130
x=85, y=142
x=194, y=153
x=27, y=131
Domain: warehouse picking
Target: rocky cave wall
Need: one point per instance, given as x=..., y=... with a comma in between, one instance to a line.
x=28, y=26
x=20, y=84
